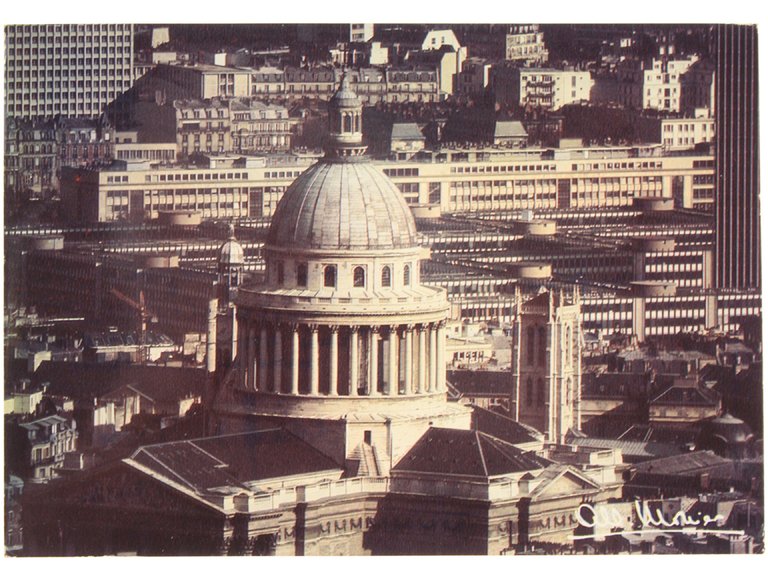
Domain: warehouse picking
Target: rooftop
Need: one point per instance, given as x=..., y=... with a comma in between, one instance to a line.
x=466, y=453
x=209, y=463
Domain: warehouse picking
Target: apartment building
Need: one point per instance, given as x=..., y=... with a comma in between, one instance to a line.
x=474, y=78
x=548, y=89
x=685, y=133
x=525, y=43
x=35, y=150
x=202, y=81
x=260, y=127
x=360, y=32
x=66, y=69
x=661, y=84
x=202, y=126
x=408, y=83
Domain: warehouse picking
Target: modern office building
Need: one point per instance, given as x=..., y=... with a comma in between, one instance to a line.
x=737, y=171
x=66, y=69
x=449, y=180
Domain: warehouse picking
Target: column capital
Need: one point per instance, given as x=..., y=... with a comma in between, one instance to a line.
x=334, y=328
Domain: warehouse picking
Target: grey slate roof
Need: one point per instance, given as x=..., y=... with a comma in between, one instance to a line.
x=683, y=464
x=343, y=205
x=466, y=453
x=231, y=461
x=685, y=396
x=476, y=383
x=503, y=427
x=629, y=448
x=509, y=129
x=406, y=131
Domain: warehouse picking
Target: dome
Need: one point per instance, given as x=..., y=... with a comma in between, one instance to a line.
x=343, y=206
x=345, y=97
x=729, y=428
x=231, y=252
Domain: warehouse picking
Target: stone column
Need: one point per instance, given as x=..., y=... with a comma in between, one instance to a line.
x=408, y=360
x=421, y=384
x=432, y=358
x=295, y=360
x=354, y=361
x=263, y=358
x=334, y=358
x=314, y=361
x=277, y=365
x=392, y=377
x=235, y=333
x=440, y=383
x=373, y=362
x=250, y=361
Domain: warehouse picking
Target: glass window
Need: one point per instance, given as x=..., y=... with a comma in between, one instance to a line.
x=407, y=275
x=301, y=275
x=358, y=277
x=386, y=277
x=329, y=276
x=280, y=273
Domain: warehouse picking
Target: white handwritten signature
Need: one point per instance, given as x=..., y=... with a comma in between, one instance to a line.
x=652, y=520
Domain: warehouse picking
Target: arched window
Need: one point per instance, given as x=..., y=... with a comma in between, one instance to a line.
x=280, y=273
x=407, y=275
x=301, y=275
x=529, y=392
x=357, y=123
x=542, y=346
x=540, y=393
x=386, y=277
x=530, y=344
x=347, y=122
x=358, y=277
x=329, y=276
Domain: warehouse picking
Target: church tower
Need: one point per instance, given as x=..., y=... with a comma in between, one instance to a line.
x=342, y=343
x=546, y=364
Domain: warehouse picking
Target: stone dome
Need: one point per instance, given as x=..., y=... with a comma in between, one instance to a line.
x=338, y=205
x=231, y=252
x=345, y=97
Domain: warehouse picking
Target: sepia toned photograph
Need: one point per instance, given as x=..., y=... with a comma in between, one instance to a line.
x=380, y=289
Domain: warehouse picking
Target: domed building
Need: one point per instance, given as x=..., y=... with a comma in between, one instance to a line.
x=341, y=343
x=728, y=436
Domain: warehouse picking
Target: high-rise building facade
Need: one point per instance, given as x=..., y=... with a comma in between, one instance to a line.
x=737, y=185
x=66, y=69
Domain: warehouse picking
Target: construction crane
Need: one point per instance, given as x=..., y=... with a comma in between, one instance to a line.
x=145, y=316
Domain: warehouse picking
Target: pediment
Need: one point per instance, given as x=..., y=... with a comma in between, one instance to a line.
x=129, y=488
x=566, y=482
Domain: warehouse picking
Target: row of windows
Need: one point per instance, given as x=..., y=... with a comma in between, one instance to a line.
x=330, y=275
x=508, y=168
